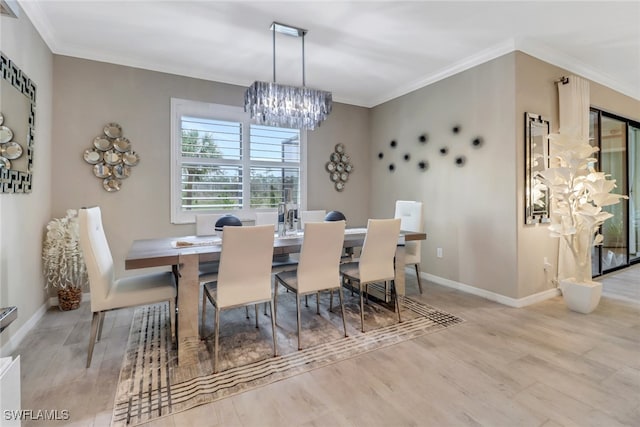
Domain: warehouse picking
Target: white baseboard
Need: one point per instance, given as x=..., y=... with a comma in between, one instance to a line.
x=10, y=346
x=492, y=296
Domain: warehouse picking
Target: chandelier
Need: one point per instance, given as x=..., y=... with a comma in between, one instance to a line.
x=273, y=104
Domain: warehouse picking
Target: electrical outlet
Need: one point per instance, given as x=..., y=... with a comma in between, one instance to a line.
x=546, y=264
x=439, y=252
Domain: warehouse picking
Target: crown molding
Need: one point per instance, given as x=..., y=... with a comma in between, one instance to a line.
x=573, y=65
x=39, y=19
x=486, y=55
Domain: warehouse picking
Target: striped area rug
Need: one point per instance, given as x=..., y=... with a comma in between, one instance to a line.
x=152, y=386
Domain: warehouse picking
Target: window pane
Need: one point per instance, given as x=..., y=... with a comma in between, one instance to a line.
x=274, y=144
x=206, y=187
x=213, y=139
x=268, y=184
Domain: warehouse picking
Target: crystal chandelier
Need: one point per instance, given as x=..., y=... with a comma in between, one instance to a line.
x=298, y=107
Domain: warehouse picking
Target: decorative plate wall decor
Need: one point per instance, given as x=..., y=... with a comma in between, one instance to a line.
x=111, y=157
x=339, y=167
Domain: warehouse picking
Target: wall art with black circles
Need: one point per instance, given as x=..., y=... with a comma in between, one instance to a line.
x=399, y=153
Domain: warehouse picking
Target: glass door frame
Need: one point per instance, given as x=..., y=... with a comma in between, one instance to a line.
x=597, y=250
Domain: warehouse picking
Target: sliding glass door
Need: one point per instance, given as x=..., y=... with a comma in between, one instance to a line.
x=613, y=161
x=634, y=193
x=619, y=156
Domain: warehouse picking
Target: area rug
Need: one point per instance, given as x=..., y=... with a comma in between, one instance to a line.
x=151, y=385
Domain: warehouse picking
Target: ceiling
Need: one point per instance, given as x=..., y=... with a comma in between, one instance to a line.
x=365, y=52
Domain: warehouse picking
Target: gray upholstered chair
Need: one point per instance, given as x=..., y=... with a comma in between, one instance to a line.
x=109, y=293
x=318, y=268
x=376, y=263
x=410, y=214
x=244, y=276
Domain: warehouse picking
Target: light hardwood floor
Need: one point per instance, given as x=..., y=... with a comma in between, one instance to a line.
x=536, y=366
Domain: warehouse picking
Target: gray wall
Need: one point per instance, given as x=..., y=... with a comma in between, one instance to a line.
x=89, y=94
x=476, y=213
x=470, y=211
x=24, y=216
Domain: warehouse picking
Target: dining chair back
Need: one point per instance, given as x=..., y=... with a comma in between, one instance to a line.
x=109, y=293
x=411, y=219
x=319, y=264
x=206, y=224
x=312, y=216
x=263, y=218
x=318, y=268
x=376, y=263
x=378, y=250
x=244, y=276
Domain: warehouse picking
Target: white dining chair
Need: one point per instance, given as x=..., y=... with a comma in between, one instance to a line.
x=318, y=269
x=281, y=262
x=244, y=276
x=311, y=216
x=411, y=219
x=206, y=224
x=264, y=218
x=109, y=293
x=376, y=263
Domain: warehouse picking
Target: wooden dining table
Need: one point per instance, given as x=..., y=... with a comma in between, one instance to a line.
x=184, y=255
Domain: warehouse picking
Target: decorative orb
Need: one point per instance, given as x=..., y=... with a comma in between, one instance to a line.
x=393, y=143
x=423, y=165
x=227, y=220
x=423, y=138
x=407, y=157
x=456, y=129
x=380, y=155
x=460, y=161
x=477, y=142
x=392, y=167
x=335, y=216
x=444, y=151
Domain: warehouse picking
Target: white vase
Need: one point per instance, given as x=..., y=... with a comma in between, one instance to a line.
x=582, y=297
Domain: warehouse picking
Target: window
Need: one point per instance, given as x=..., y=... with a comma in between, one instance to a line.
x=222, y=163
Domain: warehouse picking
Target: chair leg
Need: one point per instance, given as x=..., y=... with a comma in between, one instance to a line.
x=298, y=318
x=273, y=329
x=256, y=307
x=317, y=302
x=395, y=295
x=172, y=313
x=246, y=310
x=331, y=300
x=418, y=276
x=204, y=313
x=275, y=303
x=344, y=321
x=92, y=338
x=361, y=307
x=306, y=301
x=215, y=341
x=100, y=323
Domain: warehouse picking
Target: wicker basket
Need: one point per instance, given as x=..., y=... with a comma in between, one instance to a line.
x=69, y=298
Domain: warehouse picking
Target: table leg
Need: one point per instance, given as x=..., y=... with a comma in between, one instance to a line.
x=188, y=302
x=400, y=276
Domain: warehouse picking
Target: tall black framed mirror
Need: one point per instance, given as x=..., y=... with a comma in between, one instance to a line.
x=17, y=130
x=536, y=149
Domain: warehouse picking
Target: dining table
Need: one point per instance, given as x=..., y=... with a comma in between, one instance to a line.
x=184, y=255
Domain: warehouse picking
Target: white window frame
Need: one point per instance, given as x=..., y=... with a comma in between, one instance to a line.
x=185, y=107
